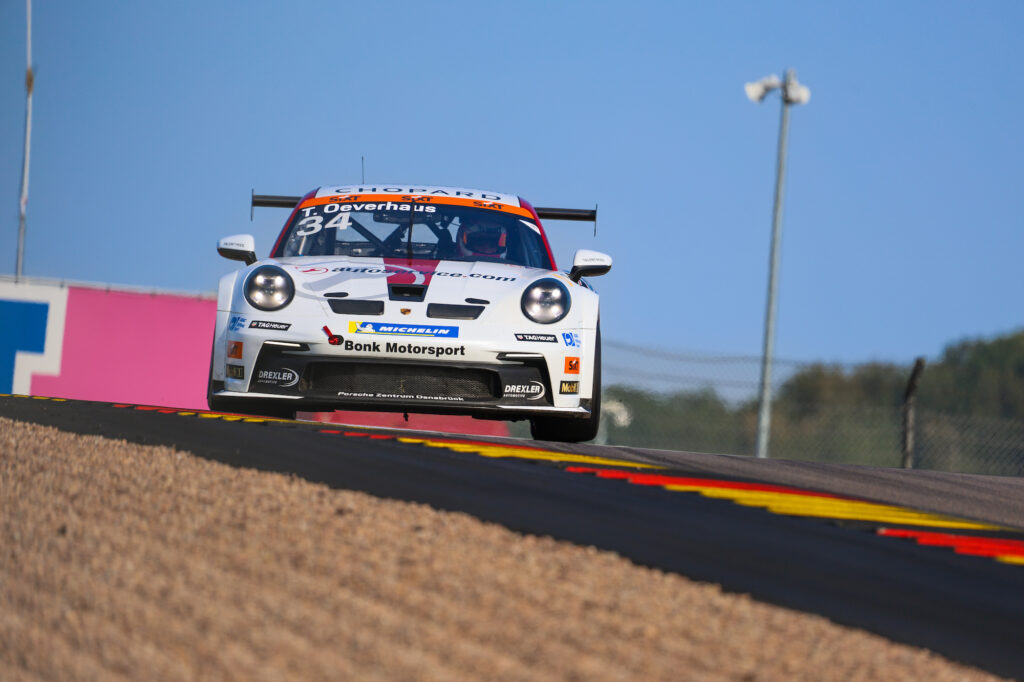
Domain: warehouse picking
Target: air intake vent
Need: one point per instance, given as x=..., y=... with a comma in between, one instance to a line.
x=356, y=307
x=407, y=292
x=454, y=312
x=403, y=381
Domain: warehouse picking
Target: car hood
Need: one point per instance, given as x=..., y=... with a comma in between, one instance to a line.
x=444, y=281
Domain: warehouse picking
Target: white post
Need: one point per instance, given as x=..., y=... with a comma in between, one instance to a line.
x=764, y=417
x=23, y=198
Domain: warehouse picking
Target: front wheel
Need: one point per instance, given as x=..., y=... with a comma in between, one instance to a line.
x=574, y=429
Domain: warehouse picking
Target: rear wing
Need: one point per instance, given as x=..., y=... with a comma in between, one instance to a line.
x=580, y=214
x=272, y=201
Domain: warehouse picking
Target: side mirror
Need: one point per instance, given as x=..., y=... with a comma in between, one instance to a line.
x=588, y=263
x=238, y=247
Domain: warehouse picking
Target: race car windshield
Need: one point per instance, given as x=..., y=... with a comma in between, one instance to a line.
x=414, y=230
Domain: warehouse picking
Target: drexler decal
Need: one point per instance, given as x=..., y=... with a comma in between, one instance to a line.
x=547, y=338
x=402, y=330
x=267, y=324
x=283, y=377
x=569, y=387
x=531, y=391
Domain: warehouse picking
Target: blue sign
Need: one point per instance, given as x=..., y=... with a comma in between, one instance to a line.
x=237, y=322
x=572, y=339
x=24, y=330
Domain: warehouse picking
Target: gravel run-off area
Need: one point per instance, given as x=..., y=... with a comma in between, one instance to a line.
x=128, y=562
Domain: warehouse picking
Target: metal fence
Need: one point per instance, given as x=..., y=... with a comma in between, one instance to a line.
x=707, y=403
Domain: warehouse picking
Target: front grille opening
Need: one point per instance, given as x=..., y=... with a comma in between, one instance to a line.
x=403, y=380
x=356, y=307
x=407, y=292
x=454, y=312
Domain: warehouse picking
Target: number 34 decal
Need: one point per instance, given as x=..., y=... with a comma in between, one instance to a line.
x=314, y=223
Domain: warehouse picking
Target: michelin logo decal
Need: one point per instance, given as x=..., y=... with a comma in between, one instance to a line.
x=403, y=330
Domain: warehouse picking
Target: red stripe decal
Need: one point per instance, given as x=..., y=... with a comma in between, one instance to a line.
x=551, y=256
x=410, y=271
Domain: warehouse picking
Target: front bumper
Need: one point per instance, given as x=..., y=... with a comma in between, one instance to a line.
x=296, y=376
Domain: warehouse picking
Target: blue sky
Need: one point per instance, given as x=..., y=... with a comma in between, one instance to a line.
x=903, y=219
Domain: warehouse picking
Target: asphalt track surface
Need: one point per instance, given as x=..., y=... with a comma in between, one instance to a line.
x=692, y=518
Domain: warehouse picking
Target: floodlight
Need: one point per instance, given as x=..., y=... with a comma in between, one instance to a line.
x=795, y=93
x=757, y=90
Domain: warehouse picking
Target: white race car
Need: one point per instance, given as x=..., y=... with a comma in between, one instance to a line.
x=411, y=299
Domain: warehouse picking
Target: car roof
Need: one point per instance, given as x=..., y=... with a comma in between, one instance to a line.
x=424, y=190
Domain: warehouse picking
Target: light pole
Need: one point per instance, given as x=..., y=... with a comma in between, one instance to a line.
x=23, y=196
x=792, y=93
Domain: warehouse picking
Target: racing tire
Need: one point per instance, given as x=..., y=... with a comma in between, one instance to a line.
x=574, y=429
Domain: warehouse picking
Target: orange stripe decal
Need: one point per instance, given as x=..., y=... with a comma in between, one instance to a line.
x=415, y=199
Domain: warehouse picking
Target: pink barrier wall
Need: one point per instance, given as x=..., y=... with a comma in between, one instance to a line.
x=100, y=344
x=119, y=346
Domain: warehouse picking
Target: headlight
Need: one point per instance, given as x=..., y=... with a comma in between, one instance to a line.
x=546, y=301
x=268, y=287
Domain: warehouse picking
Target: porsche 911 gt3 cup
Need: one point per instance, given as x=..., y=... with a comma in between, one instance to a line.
x=411, y=299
